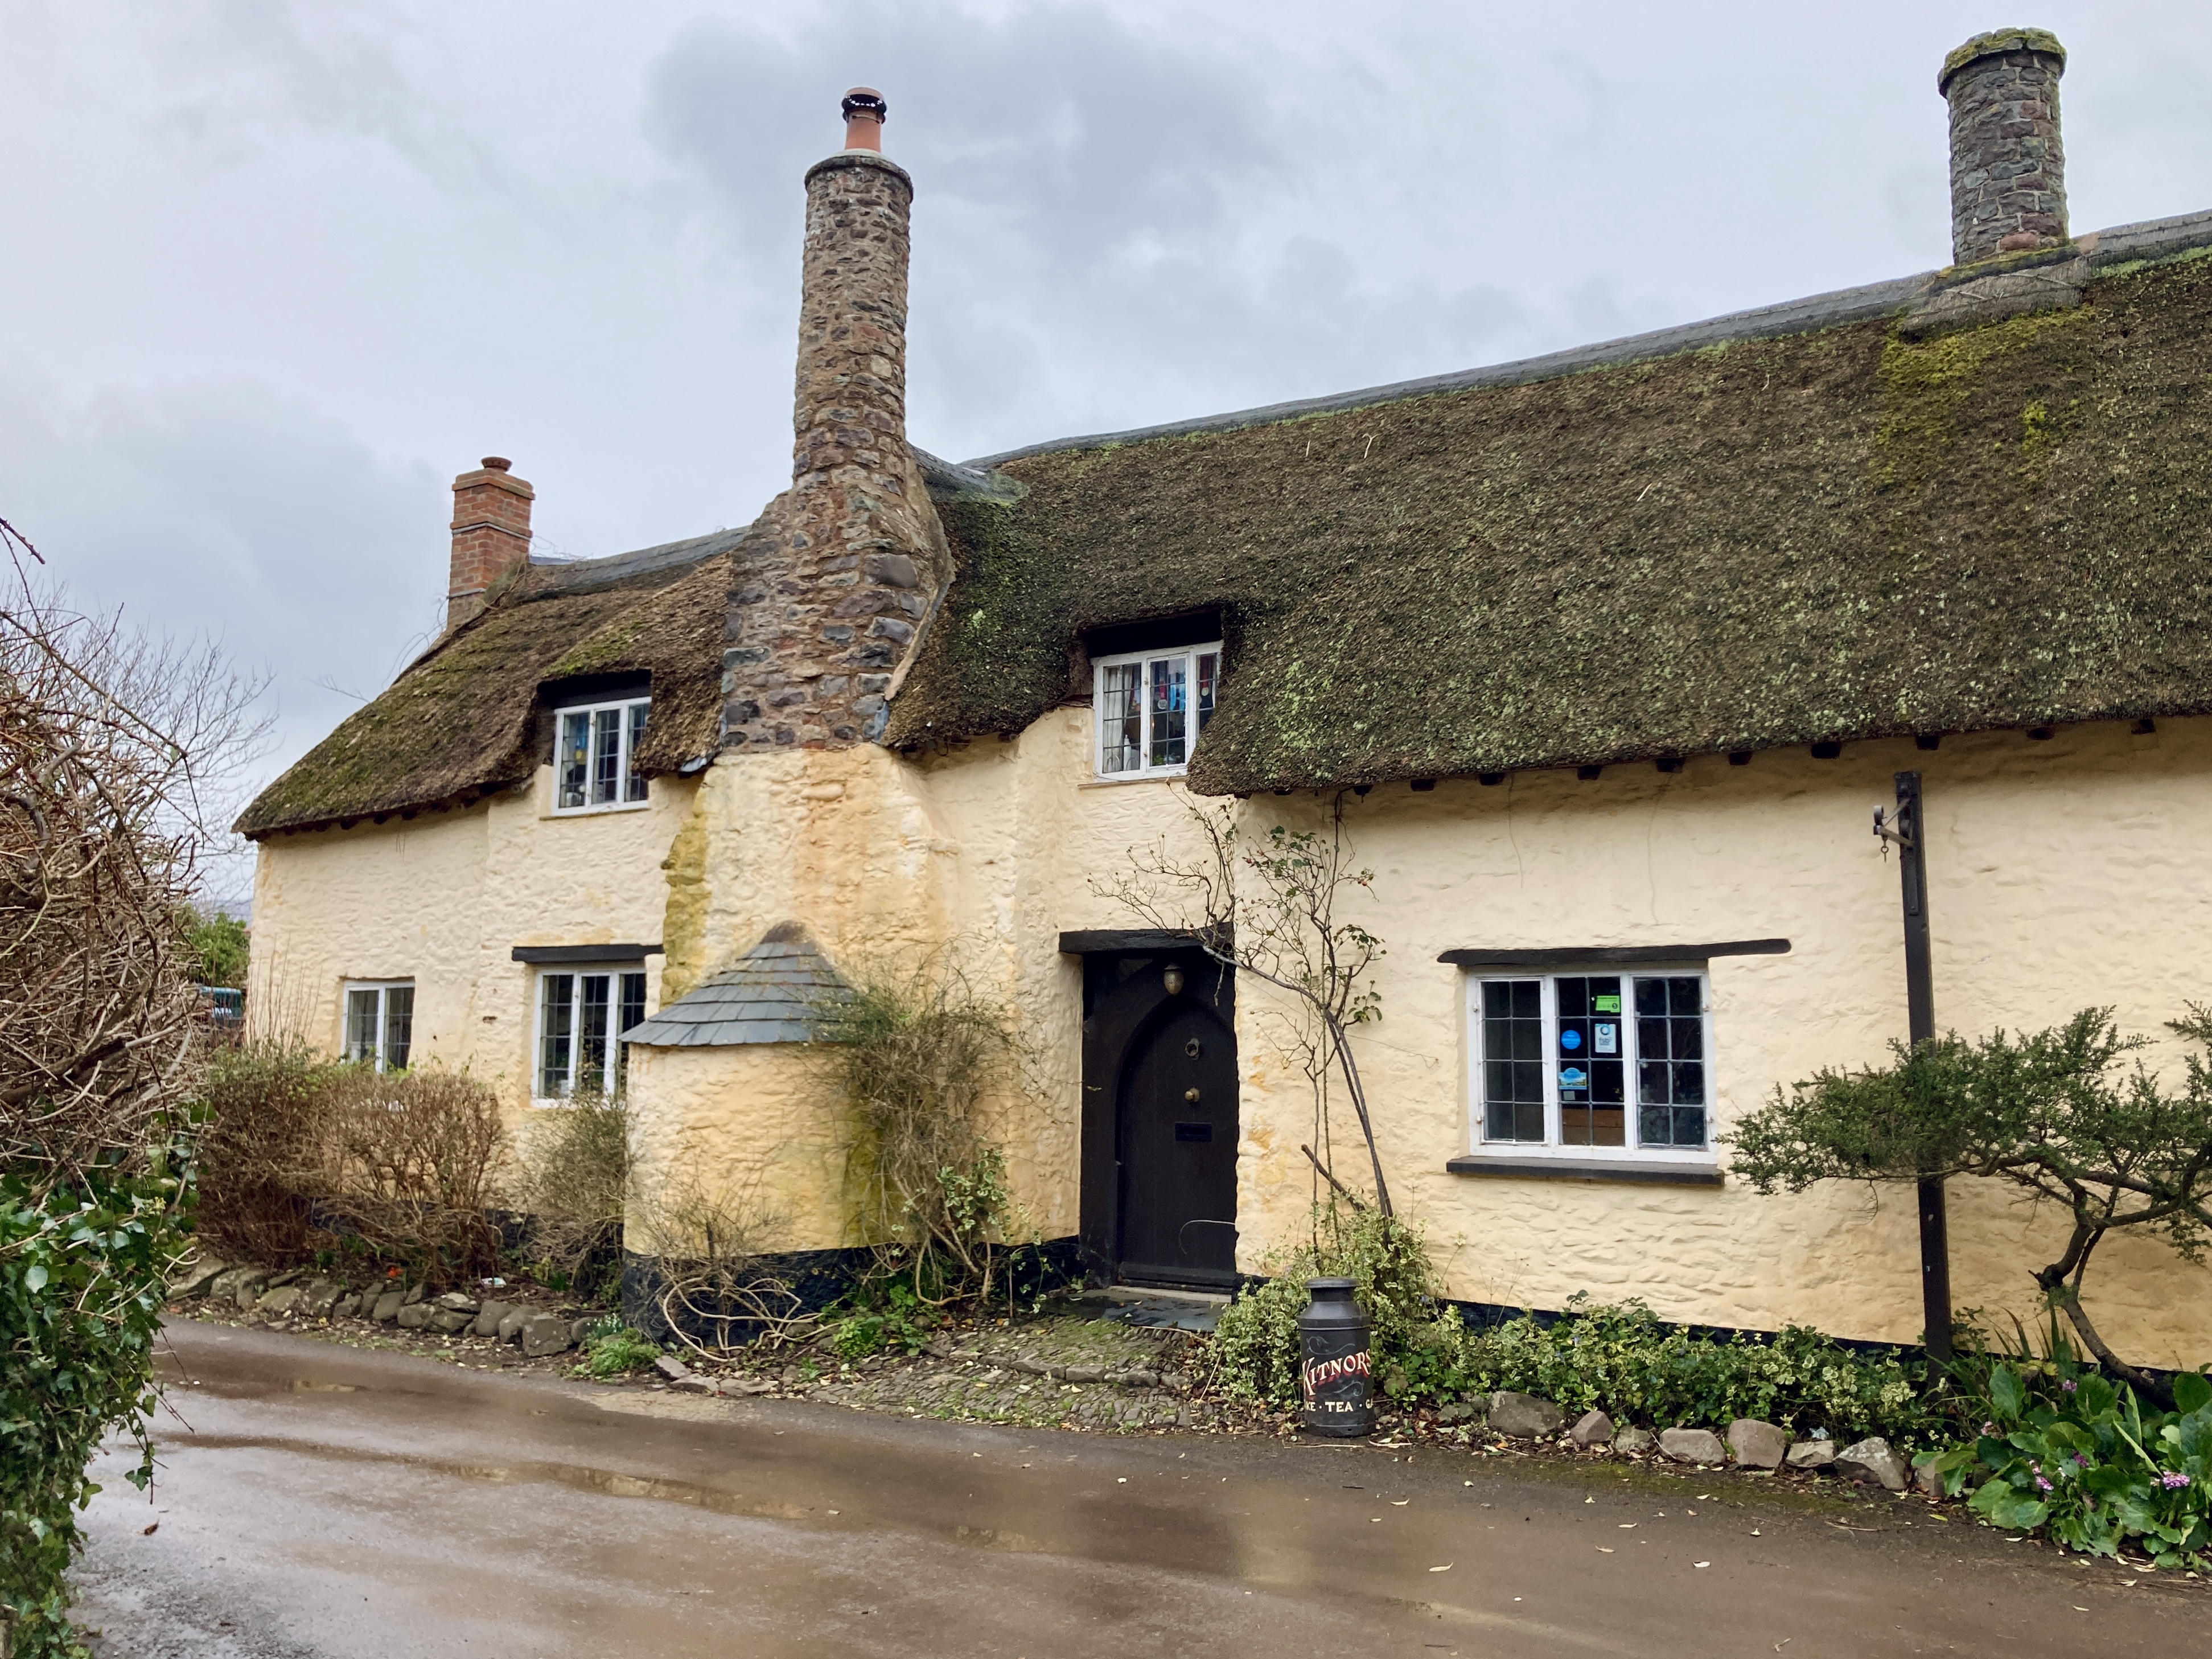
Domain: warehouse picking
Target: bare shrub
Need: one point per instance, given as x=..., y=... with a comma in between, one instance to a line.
x=409, y=1164
x=261, y=1102
x=575, y=1162
x=713, y=1291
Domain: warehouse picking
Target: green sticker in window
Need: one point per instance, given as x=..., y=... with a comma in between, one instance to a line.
x=1606, y=1005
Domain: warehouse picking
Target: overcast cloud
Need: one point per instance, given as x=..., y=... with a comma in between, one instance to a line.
x=278, y=270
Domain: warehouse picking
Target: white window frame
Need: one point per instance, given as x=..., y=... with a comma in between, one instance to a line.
x=615, y=973
x=1194, y=717
x=631, y=790
x=1550, y=1147
x=382, y=989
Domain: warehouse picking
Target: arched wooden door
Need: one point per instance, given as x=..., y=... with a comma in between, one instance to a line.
x=1177, y=1147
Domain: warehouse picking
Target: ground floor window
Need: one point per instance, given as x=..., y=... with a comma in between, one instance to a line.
x=582, y=1014
x=380, y=1022
x=1582, y=1062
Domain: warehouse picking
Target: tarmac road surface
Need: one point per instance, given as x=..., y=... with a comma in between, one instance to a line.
x=329, y=1502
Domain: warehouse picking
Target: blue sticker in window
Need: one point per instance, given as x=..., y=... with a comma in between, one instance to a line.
x=1570, y=1041
x=1572, y=1076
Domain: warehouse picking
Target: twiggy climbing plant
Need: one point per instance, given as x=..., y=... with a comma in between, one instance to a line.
x=1267, y=906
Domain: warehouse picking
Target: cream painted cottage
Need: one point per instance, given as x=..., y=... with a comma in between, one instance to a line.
x=1606, y=656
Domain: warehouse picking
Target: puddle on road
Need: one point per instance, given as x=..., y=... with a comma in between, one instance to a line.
x=609, y=1483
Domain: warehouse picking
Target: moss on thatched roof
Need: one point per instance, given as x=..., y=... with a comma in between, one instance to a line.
x=1830, y=534
x=461, y=722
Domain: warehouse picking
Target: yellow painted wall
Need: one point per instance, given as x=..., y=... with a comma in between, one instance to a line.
x=2065, y=873
x=442, y=899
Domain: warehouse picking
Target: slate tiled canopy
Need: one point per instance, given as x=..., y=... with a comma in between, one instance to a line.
x=777, y=992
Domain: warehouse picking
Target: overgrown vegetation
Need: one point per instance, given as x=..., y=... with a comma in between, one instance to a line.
x=916, y=1054
x=2055, y=1115
x=1617, y=1359
x=574, y=1163
x=613, y=1349
x=2065, y=1452
x=302, y=1158
x=107, y=743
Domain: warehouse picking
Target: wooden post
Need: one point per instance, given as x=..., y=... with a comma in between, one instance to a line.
x=1920, y=1026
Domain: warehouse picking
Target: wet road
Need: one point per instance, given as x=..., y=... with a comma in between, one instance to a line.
x=328, y=1502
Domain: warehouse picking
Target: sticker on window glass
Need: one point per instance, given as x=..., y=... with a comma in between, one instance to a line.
x=1605, y=1005
x=1571, y=1039
x=1572, y=1076
x=1605, y=1037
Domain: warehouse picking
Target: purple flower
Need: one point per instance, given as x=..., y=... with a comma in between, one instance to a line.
x=2041, y=1485
x=2069, y=1385
x=1989, y=1428
x=2080, y=1460
x=2170, y=1481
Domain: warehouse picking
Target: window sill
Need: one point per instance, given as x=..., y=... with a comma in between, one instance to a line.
x=1549, y=1169
x=597, y=811
x=1140, y=777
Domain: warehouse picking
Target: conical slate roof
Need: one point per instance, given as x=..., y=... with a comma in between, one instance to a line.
x=775, y=992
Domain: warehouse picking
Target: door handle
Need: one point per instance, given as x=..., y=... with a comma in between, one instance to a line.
x=1191, y=1094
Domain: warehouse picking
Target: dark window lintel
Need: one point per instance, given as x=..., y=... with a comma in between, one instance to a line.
x=1597, y=955
x=585, y=952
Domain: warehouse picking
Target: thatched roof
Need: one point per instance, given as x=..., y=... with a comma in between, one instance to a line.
x=1875, y=513
x=1970, y=499
x=463, y=721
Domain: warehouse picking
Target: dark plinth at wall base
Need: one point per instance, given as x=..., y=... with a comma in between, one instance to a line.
x=1547, y=1169
x=1612, y=955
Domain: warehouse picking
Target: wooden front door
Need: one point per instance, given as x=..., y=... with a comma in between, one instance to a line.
x=1177, y=1151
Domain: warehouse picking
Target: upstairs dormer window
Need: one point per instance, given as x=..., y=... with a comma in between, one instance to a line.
x=595, y=757
x=1152, y=707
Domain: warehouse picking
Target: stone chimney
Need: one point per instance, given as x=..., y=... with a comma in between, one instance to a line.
x=491, y=534
x=2008, y=166
x=815, y=632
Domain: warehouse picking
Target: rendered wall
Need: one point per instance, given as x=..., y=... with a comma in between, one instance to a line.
x=442, y=899
x=2065, y=873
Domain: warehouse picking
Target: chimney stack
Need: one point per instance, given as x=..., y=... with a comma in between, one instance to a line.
x=491, y=534
x=812, y=645
x=2008, y=166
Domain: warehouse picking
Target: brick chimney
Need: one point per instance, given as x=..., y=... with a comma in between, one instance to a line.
x=2008, y=166
x=491, y=534
x=815, y=632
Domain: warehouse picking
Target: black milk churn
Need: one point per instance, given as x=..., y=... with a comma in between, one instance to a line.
x=1334, y=1369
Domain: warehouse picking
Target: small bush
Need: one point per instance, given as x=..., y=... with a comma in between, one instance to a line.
x=575, y=1160
x=406, y=1162
x=261, y=1102
x=612, y=1349
x=2065, y=1453
x=1255, y=1345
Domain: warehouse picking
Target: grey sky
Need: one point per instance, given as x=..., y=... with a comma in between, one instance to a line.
x=278, y=272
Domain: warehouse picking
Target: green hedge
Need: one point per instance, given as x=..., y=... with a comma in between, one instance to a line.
x=82, y=1273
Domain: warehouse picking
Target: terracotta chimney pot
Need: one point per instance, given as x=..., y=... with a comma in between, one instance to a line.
x=865, y=112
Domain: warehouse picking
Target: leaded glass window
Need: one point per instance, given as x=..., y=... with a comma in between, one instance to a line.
x=1152, y=708
x=582, y=1018
x=1559, y=1053
x=595, y=757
